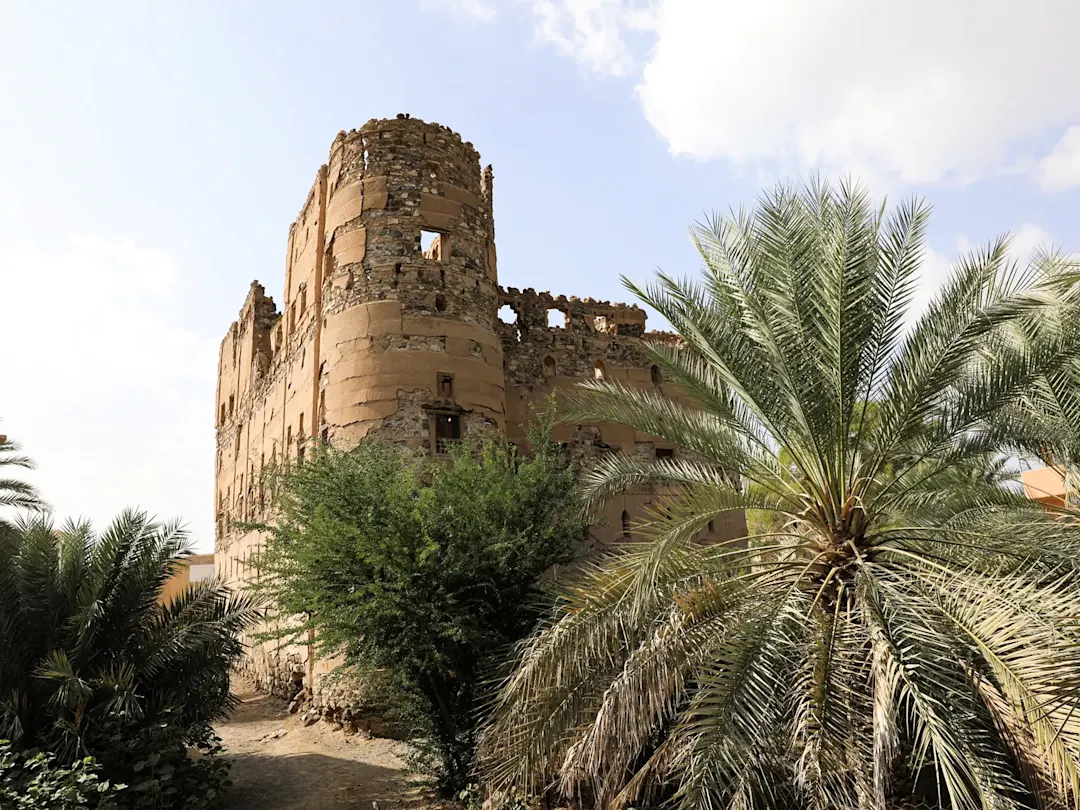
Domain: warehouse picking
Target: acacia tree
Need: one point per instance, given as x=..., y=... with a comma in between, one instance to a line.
x=420, y=571
x=906, y=626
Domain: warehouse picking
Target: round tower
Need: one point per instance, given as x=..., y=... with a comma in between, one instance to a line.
x=408, y=348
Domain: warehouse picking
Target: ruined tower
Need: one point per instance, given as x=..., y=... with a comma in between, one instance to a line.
x=389, y=327
x=409, y=346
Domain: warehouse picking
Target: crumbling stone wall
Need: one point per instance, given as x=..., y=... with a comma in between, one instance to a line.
x=389, y=326
x=550, y=343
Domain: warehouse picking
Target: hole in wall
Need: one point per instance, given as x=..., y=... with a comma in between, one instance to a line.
x=446, y=385
x=428, y=240
x=507, y=314
x=599, y=370
x=549, y=366
x=440, y=303
x=657, y=377
x=556, y=318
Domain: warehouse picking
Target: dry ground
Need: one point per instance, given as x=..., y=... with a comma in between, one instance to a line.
x=277, y=763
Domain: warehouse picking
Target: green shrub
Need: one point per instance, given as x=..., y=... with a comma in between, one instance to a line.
x=164, y=769
x=33, y=780
x=94, y=665
x=420, y=571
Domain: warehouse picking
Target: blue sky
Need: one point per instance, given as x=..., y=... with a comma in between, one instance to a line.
x=152, y=156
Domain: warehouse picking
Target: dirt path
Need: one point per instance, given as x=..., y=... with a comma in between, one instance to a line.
x=278, y=763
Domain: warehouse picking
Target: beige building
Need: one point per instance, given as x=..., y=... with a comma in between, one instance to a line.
x=390, y=326
x=1045, y=484
x=196, y=568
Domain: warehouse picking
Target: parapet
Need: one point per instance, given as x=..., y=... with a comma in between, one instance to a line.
x=391, y=147
x=532, y=309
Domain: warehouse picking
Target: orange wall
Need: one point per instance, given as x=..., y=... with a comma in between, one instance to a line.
x=1046, y=485
x=178, y=582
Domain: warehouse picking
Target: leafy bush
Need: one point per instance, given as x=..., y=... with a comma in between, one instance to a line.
x=419, y=570
x=94, y=665
x=170, y=766
x=32, y=780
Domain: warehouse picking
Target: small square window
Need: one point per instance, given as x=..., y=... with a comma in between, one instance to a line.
x=446, y=386
x=434, y=245
x=665, y=452
x=447, y=430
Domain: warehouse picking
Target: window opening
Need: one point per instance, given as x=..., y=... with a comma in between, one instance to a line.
x=433, y=245
x=507, y=314
x=625, y=524
x=447, y=430
x=599, y=370
x=665, y=452
x=656, y=376
x=446, y=385
x=549, y=366
x=440, y=303
x=556, y=318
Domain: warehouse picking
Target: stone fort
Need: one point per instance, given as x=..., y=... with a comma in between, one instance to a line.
x=390, y=326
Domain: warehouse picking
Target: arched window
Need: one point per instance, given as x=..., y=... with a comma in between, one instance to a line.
x=656, y=376
x=599, y=370
x=549, y=366
x=625, y=524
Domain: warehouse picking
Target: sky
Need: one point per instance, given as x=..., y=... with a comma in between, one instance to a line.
x=152, y=156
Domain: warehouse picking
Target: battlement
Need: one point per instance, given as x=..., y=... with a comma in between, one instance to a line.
x=533, y=311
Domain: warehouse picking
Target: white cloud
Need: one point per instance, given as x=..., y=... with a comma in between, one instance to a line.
x=916, y=92
x=109, y=395
x=480, y=10
x=1061, y=168
x=592, y=31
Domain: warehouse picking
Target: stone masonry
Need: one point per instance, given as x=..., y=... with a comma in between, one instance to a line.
x=390, y=326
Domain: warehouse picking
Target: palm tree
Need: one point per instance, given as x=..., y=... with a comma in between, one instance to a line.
x=13, y=491
x=91, y=659
x=906, y=626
